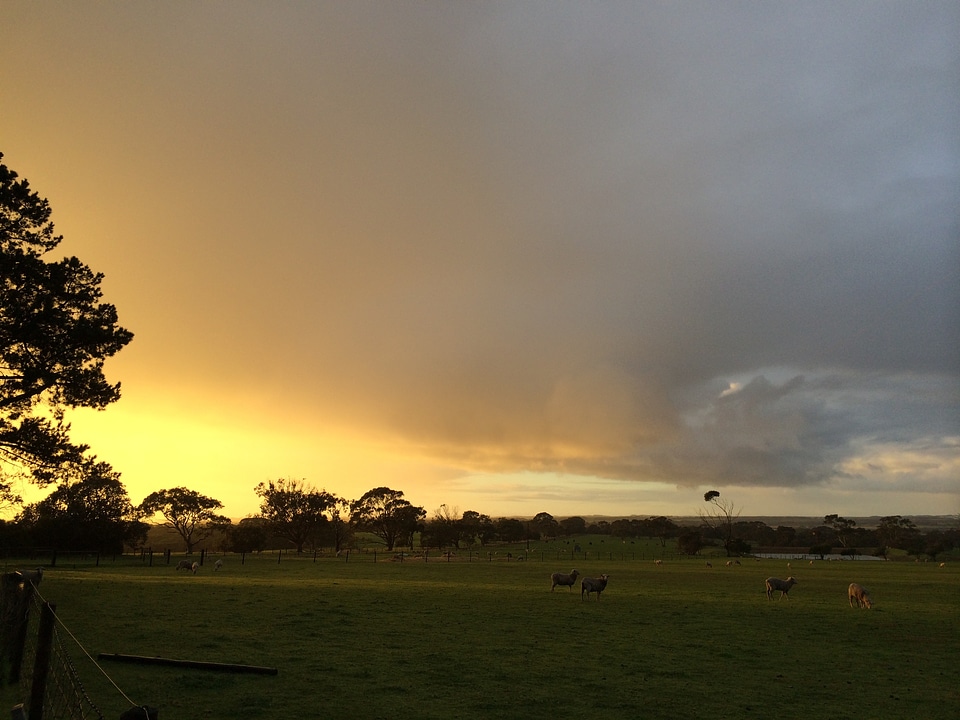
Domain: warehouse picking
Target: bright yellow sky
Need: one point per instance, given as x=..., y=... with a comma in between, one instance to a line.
x=581, y=259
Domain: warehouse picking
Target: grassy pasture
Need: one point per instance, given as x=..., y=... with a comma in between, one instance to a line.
x=488, y=639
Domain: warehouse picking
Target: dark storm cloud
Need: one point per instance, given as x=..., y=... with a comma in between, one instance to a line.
x=683, y=197
x=541, y=236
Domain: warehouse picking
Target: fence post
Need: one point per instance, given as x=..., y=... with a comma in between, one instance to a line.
x=41, y=664
x=20, y=596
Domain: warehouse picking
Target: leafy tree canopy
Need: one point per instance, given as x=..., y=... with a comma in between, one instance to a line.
x=55, y=334
x=94, y=513
x=294, y=510
x=186, y=511
x=386, y=514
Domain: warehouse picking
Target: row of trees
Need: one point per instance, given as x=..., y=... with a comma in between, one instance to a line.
x=96, y=514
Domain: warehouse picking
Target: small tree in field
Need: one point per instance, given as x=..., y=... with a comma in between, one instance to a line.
x=720, y=518
x=294, y=510
x=341, y=530
x=841, y=526
x=186, y=511
x=660, y=527
x=248, y=535
x=690, y=542
x=386, y=514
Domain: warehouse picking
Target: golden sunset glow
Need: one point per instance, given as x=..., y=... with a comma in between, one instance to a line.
x=589, y=266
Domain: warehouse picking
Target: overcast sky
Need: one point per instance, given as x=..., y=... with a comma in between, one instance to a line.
x=581, y=258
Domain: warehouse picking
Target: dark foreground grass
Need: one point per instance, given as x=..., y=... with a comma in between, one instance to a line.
x=489, y=640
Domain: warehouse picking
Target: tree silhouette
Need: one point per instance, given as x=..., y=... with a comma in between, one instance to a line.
x=841, y=526
x=721, y=519
x=294, y=510
x=55, y=334
x=186, y=511
x=386, y=514
x=93, y=513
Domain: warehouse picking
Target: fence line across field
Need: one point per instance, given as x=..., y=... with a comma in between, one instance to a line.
x=150, y=558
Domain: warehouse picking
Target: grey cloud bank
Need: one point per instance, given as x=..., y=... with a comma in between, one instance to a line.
x=696, y=244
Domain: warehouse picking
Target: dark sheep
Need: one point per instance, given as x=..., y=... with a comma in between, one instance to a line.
x=597, y=585
x=774, y=584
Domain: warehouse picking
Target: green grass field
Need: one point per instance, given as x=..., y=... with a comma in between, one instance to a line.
x=483, y=639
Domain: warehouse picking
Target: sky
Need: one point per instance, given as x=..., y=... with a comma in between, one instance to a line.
x=565, y=257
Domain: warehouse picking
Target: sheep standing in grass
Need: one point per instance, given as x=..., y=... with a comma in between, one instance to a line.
x=184, y=565
x=563, y=579
x=783, y=586
x=597, y=585
x=859, y=593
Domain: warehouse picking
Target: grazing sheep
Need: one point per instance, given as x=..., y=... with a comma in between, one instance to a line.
x=597, y=585
x=709, y=565
x=187, y=565
x=782, y=585
x=217, y=565
x=562, y=579
x=658, y=562
x=943, y=564
x=859, y=593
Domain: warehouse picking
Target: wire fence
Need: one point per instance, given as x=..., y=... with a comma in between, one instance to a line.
x=552, y=552
x=37, y=654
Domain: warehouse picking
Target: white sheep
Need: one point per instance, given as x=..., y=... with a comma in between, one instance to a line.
x=859, y=593
x=782, y=585
x=658, y=562
x=219, y=564
x=597, y=585
x=563, y=579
